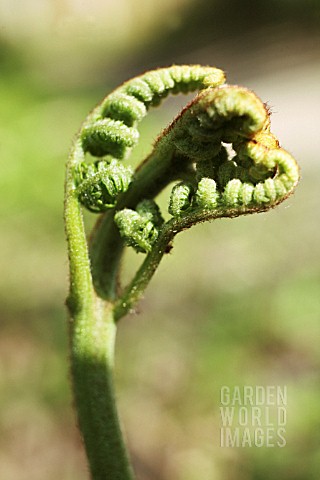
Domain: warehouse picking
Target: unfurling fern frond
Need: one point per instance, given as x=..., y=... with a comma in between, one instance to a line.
x=99, y=184
x=140, y=228
x=111, y=129
x=219, y=153
x=220, y=160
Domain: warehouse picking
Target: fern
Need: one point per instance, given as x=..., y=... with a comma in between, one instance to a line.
x=224, y=162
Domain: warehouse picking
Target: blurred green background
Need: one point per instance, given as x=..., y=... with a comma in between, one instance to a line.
x=236, y=303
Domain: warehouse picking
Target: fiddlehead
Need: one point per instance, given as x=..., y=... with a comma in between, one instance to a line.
x=140, y=227
x=219, y=149
x=253, y=176
x=256, y=175
x=223, y=161
x=112, y=128
x=100, y=183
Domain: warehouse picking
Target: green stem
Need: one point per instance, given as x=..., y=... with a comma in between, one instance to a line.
x=92, y=337
x=106, y=249
x=92, y=359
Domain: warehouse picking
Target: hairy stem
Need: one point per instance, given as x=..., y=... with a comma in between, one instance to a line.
x=92, y=358
x=92, y=337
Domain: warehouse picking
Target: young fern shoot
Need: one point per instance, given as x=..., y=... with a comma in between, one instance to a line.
x=224, y=162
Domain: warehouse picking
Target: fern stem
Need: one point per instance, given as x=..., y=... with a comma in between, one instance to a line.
x=92, y=358
x=92, y=337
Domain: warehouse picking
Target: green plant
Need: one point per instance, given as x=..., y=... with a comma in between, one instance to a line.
x=222, y=160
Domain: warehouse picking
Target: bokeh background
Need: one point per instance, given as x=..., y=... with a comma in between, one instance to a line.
x=236, y=303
